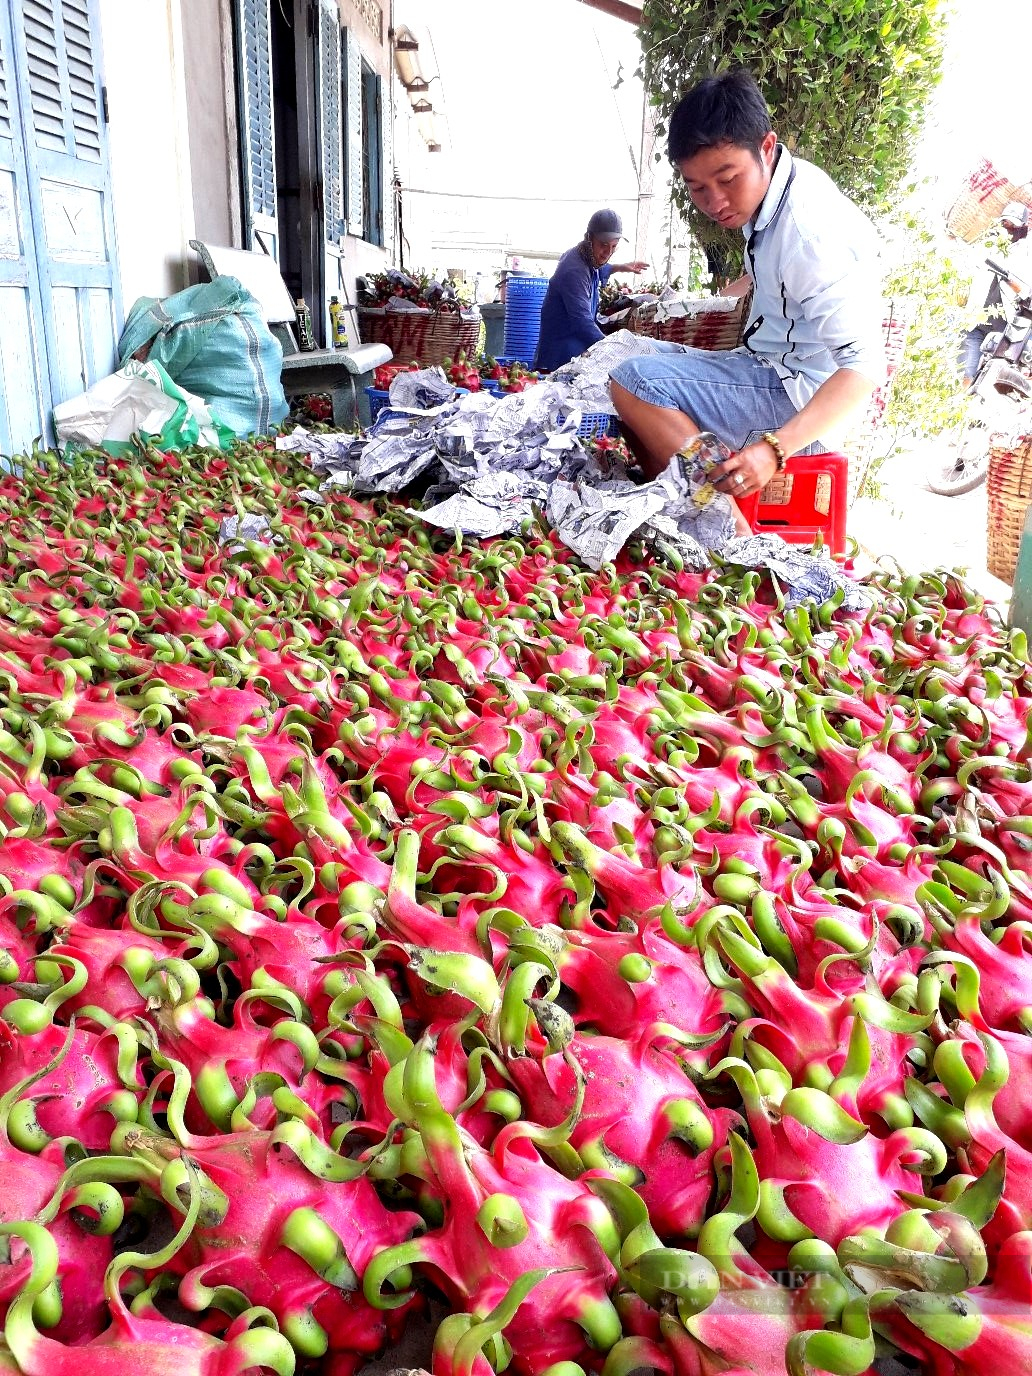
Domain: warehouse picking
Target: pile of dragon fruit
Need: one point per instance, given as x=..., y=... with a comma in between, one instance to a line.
x=601, y=973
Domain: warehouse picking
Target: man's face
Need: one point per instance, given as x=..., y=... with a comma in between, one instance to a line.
x=727, y=182
x=602, y=249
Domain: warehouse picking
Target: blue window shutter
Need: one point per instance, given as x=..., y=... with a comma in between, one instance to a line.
x=6, y=126
x=54, y=101
x=258, y=145
x=83, y=110
x=330, y=95
x=353, y=127
x=372, y=147
x=387, y=168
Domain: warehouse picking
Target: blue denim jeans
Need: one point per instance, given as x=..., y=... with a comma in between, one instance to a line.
x=731, y=392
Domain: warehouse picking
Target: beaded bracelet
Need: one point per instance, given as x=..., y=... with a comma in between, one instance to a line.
x=779, y=449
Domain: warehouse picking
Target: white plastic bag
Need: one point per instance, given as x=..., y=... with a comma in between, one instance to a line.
x=139, y=399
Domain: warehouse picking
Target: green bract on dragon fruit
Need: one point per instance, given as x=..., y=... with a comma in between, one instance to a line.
x=591, y=973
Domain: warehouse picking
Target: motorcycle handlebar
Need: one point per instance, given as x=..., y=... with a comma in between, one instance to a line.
x=1008, y=276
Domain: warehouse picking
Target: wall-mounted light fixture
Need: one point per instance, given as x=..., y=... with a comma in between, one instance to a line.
x=406, y=57
x=410, y=74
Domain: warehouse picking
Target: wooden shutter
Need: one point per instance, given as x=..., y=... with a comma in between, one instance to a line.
x=330, y=99
x=6, y=124
x=60, y=117
x=62, y=81
x=353, y=130
x=24, y=390
x=387, y=167
x=257, y=128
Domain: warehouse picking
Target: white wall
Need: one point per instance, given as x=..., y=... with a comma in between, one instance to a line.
x=150, y=154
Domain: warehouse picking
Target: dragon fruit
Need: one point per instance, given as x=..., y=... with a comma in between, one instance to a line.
x=489, y=1237
x=641, y=1118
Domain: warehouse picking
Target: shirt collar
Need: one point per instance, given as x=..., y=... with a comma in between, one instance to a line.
x=772, y=201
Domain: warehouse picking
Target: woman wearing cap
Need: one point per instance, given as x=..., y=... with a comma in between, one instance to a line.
x=568, y=324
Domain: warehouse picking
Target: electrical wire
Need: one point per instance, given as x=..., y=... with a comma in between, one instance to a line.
x=539, y=200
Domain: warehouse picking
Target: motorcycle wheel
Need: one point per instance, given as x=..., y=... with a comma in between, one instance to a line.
x=966, y=464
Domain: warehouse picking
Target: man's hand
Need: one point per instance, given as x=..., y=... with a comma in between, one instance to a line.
x=746, y=472
x=636, y=266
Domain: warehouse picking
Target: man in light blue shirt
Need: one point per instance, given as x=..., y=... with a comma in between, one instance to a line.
x=568, y=323
x=813, y=350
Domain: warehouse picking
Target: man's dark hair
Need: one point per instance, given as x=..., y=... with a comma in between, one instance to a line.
x=726, y=108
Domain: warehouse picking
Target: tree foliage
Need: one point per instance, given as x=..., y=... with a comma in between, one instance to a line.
x=847, y=81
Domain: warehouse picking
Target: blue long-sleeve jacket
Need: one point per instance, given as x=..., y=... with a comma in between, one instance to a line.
x=568, y=324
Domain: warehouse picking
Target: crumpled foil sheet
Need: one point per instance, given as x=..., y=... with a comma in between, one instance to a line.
x=493, y=461
x=234, y=529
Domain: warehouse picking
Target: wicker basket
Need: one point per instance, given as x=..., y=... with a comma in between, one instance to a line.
x=705, y=328
x=983, y=196
x=1009, y=487
x=428, y=337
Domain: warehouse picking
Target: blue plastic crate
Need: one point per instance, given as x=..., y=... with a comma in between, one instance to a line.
x=524, y=297
x=378, y=400
x=595, y=424
x=519, y=284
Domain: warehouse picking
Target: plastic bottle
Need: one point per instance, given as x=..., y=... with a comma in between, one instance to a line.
x=338, y=330
x=1021, y=597
x=305, y=337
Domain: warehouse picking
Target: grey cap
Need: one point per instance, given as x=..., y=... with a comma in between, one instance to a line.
x=605, y=224
x=1014, y=213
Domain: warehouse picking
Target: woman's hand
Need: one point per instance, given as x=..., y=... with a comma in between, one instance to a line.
x=637, y=266
x=748, y=471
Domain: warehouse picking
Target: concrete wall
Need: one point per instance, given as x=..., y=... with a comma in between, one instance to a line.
x=359, y=17
x=168, y=66
x=214, y=130
x=150, y=152
x=175, y=166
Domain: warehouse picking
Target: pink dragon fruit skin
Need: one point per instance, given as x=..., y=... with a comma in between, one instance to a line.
x=265, y=1184
x=676, y=991
x=106, y=956
x=984, y=1330
x=808, y=1026
x=160, y=1346
x=477, y=1275
x=833, y=1189
x=641, y=1106
x=1005, y=989
x=545, y=1220
x=223, y=1062
x=29, y=1183
x=83, y=1092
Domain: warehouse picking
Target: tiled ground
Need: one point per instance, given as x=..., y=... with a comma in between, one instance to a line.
x=922, y=530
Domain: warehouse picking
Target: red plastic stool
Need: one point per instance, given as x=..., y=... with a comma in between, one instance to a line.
x=806, y=500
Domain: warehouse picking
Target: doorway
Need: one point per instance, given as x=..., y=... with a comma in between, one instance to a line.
x=295, y=127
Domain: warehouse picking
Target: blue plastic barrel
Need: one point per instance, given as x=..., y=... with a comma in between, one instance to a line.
x=523, y=300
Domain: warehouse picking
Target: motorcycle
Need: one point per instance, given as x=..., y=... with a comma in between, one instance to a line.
x=997, y=398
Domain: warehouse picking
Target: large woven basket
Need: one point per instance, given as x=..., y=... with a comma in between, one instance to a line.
x=709, y=327
x=1009, y=487
x=981, y=199
x=422, y=336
